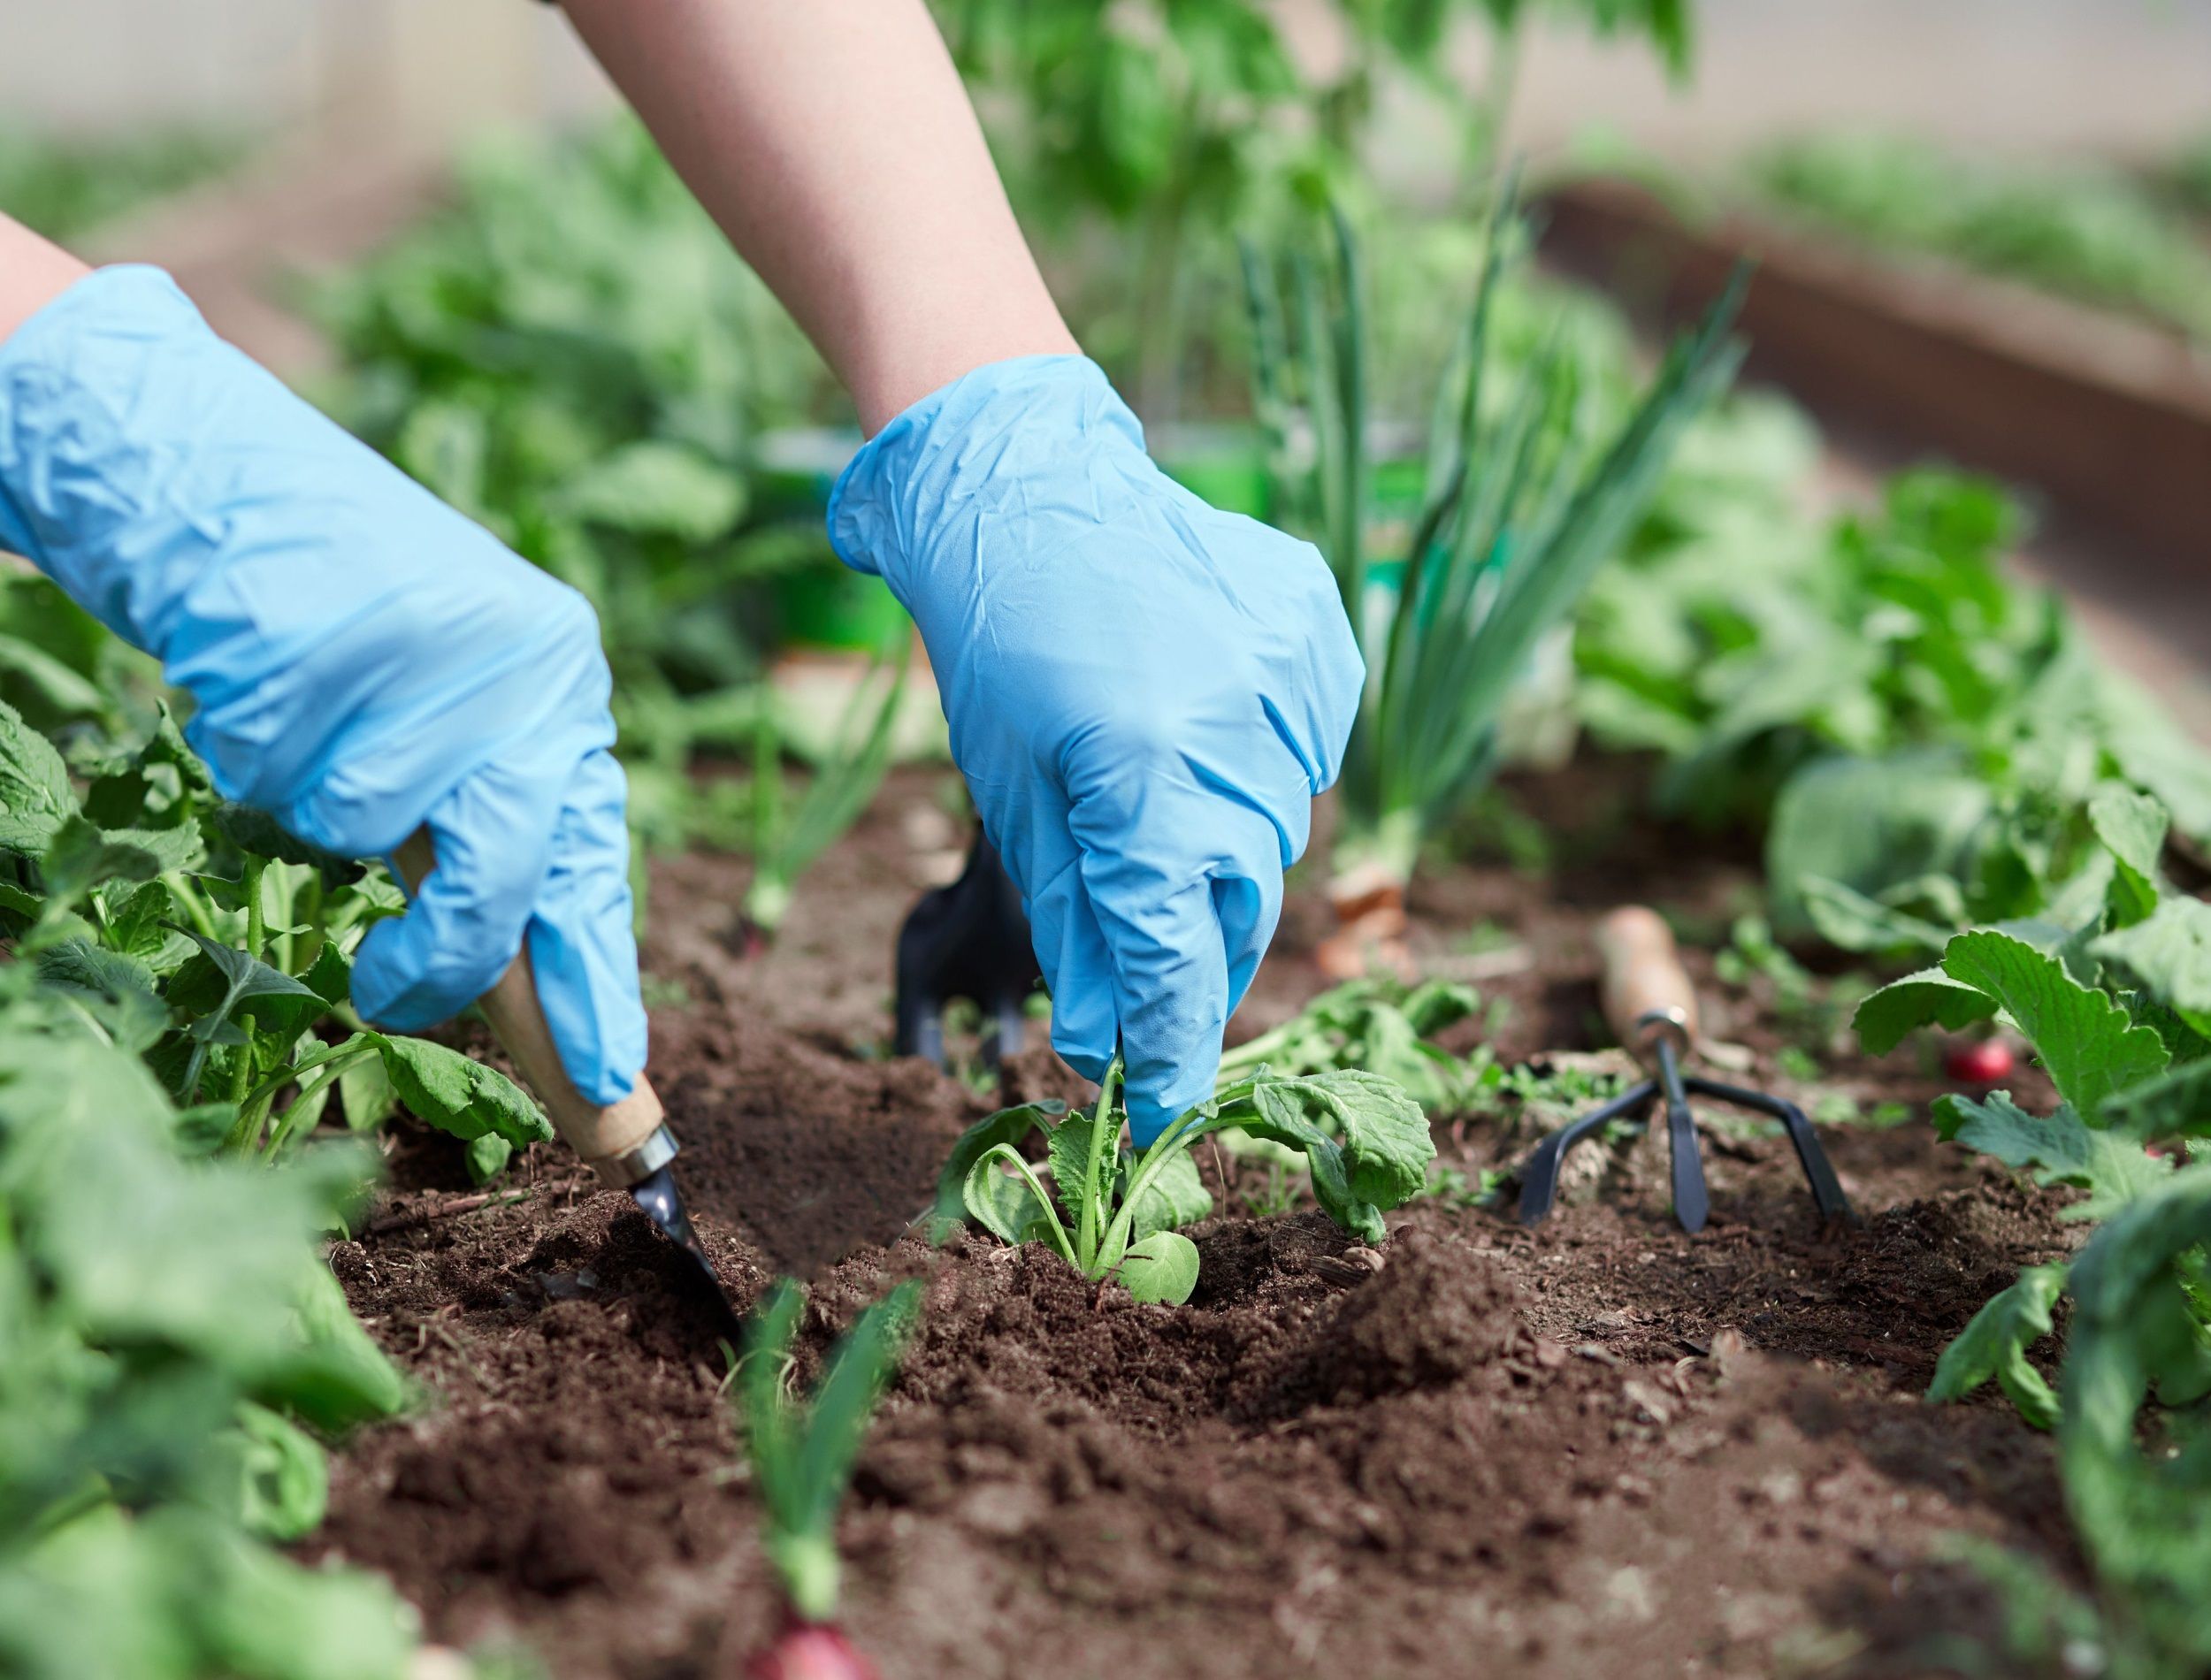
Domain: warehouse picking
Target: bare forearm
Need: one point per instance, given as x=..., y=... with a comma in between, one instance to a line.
x=33, y=273
x=833, y=143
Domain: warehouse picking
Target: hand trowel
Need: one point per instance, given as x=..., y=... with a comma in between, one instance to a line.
x=627, y=1144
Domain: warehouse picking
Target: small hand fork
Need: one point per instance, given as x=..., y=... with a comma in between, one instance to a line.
x=1651, y=1006
x=969, y=940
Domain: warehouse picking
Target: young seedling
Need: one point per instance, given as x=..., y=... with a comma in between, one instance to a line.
x=801, y=1454
x=1113, y=1211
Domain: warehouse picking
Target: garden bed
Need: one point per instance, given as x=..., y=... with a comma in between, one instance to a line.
x=1600, y=1447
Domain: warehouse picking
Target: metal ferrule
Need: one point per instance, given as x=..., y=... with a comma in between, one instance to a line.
x=631, y=1166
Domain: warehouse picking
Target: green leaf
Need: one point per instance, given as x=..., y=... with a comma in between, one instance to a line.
x=259, y=833
x=1382, y=1160
x=2131, y=827
x=1926, y=998
x=1007, y=1127
x=802, y=1452
x=2170, y=953
x=1069, y=1148
x=117, y=990
x=2090, y=1047
x=657, y=488
x=281, y=1481
x=457, y=1094
x=2175, y=1104
x=367, y=1092
x=2058, y=1149
x=487, y=1156
x=1995, y=1344
x=79, y=857
x=1870, y=824
x=1175, y=1197
x=36, y=798
x=330, y=976
x=1003, y=1201
x=1160, y=1267
x=1847, y=918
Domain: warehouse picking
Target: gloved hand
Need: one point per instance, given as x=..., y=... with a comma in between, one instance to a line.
x=1145, y=695
x=364, y=659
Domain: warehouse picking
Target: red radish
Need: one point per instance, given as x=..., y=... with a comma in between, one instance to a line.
x=1977, y=1061
x=809, y=1651
x=802, y=1452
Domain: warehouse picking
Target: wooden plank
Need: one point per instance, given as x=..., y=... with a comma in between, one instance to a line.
x=2111, y=420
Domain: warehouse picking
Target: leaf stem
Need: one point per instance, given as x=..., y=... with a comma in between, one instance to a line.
x=256, y=928
x=188, y=898
x=1007, y=1153
x=1105, y=1137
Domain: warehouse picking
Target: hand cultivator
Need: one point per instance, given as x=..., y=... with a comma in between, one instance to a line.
x=1651, y=1006
x=969, y=940
x=627, y=1144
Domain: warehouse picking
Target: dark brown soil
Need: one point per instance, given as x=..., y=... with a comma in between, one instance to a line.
x=1600, y=1448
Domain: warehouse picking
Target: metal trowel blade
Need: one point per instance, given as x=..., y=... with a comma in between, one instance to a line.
x=664, y=1205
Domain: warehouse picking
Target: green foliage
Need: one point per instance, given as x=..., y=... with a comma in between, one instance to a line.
x=161, y=1321
x=1927, y=742
x=63, y=188
x=802, y=1452
x=1530, y=486
x=2135, y=1486
x=2085, y=231
x=1113, y=1212
x=1134, y=131
x=1995, y=1343
x=1383, y=1026
x=199, y=934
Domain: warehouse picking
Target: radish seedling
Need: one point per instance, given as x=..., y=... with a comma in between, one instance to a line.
x=802, y=1456
x=1113, y=1211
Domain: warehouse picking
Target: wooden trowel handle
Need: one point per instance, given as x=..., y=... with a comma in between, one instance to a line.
x=1647, y=992
x=609, y=1138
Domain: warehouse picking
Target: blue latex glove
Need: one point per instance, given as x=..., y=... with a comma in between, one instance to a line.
x=364, y=658
x=1145, y=695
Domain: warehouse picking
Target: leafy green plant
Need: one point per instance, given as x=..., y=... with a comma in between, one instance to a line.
x=1383, y=1025
x=1134, y=131
x=168, y=1335
x=1922, y=737
x=801, y=1454
x=199, y=935
x=1528, y=490
x=2114, y=1008
x=1113, y=1211
x=2085, y=231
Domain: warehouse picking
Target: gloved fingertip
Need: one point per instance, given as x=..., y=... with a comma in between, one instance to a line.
x=392, y=987
x=1147, y=1120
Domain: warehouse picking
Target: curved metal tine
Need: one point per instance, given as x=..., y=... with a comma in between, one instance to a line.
x=1826, y=1188
x=1539, y=1174
x=1003, y=1030
x=1692, y=1201
x=920, y=1027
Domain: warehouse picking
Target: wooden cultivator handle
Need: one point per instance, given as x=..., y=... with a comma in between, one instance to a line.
x=1647, y=992
x=622, y=1142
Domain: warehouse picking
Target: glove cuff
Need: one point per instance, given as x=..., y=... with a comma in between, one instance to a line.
x=967, y=449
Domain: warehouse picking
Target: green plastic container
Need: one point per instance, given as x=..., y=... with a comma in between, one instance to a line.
x=827, y=605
